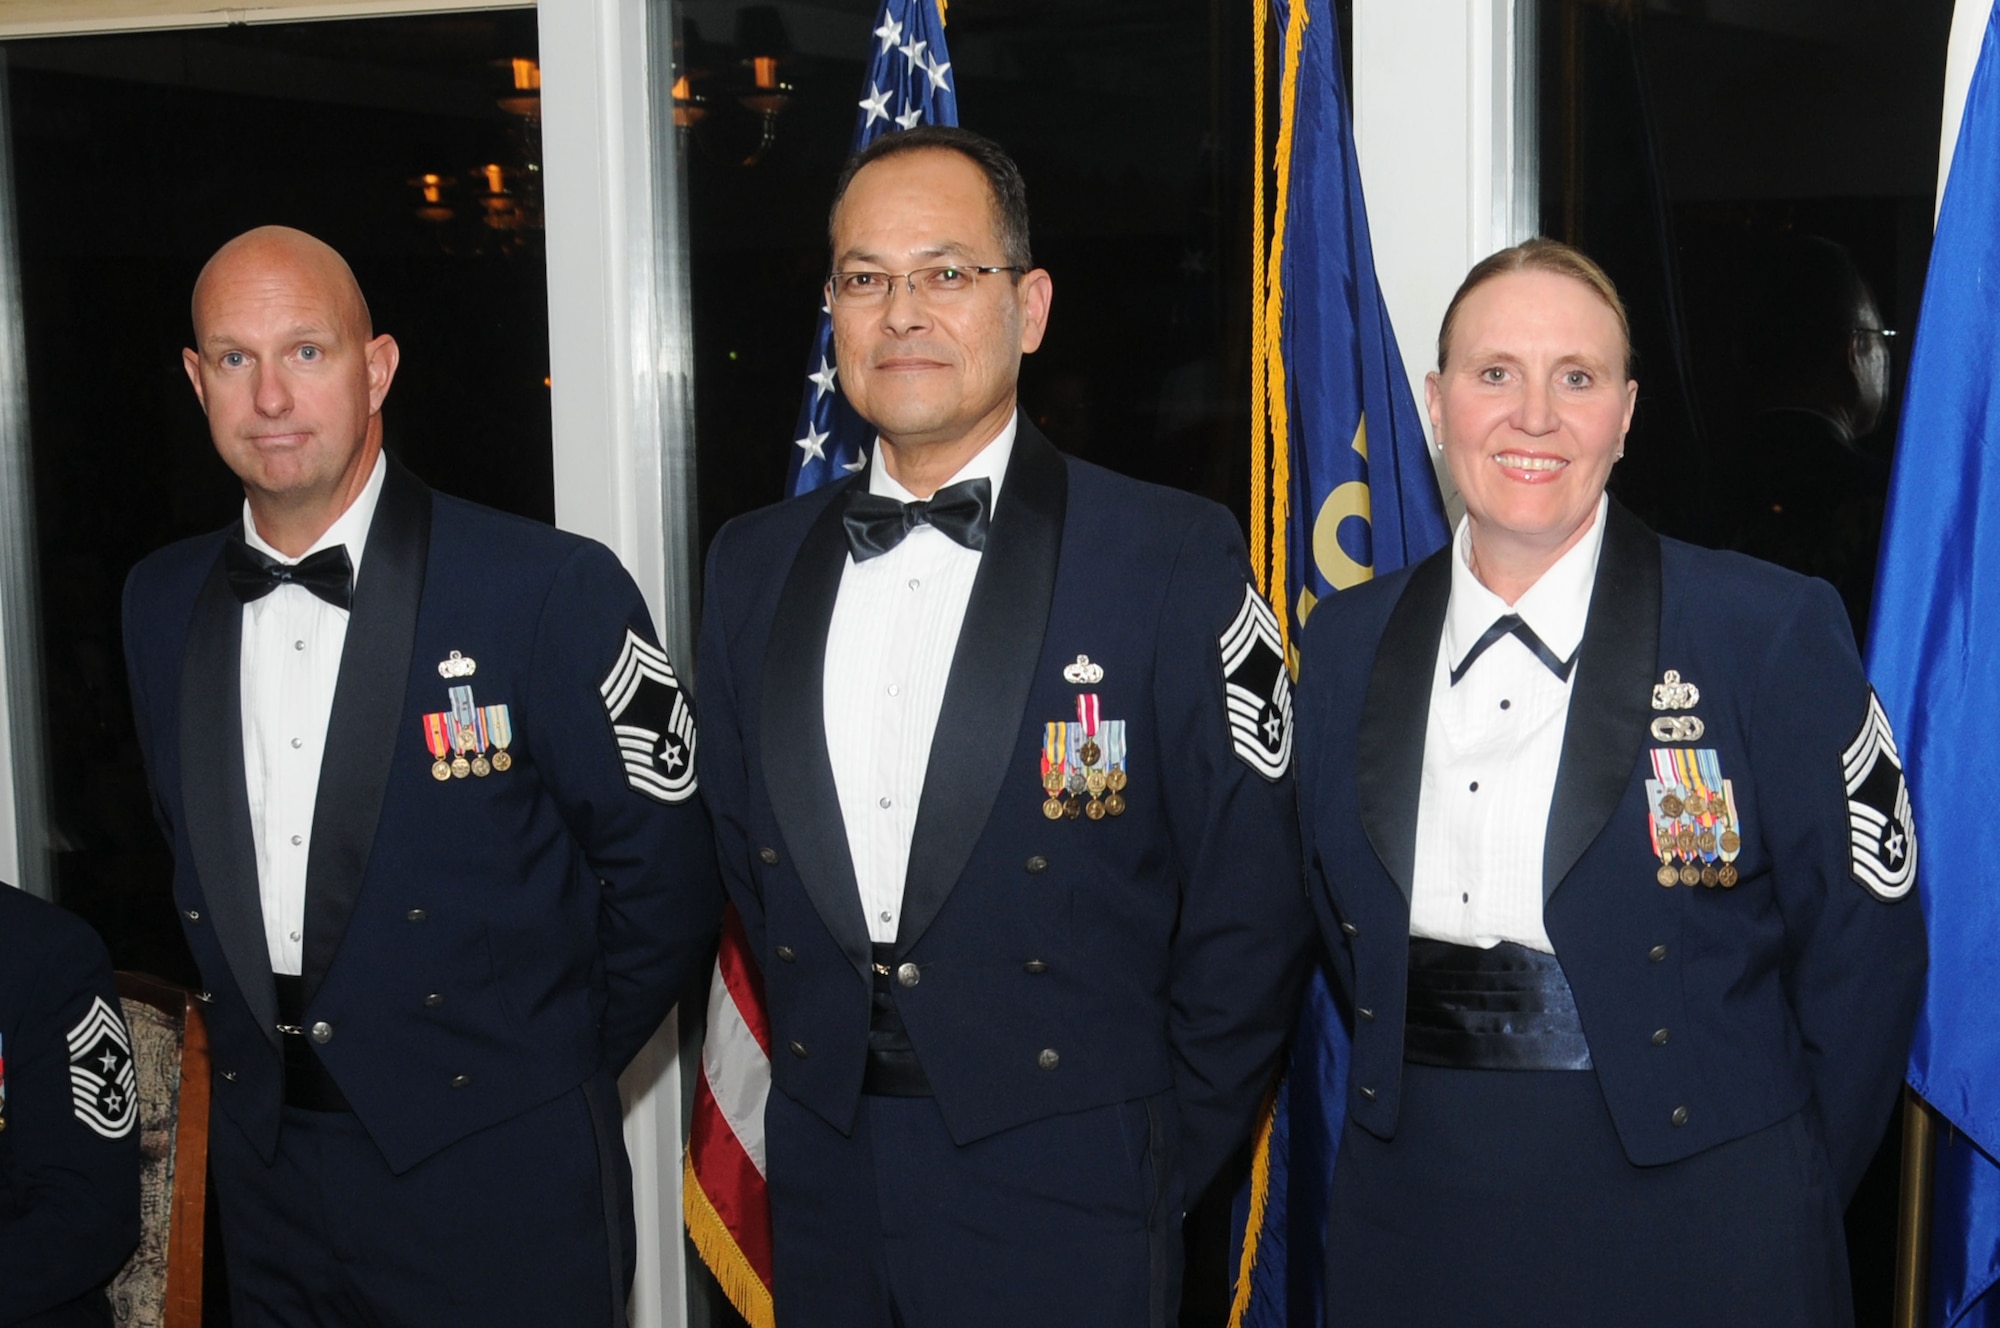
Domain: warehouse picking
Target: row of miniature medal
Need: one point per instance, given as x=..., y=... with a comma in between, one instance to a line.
x=461, y=737
x=1693, y=818
x=1083, y=764
x=1691, y=809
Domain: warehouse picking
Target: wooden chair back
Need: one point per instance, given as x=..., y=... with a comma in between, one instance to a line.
x=160, y=1286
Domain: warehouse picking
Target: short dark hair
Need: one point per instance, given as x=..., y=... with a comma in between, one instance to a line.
x=1540, y=254
x=1003, y=179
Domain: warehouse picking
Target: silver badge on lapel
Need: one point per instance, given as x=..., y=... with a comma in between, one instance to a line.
x=1084, y=673
x=1257, y=687
x=103, y=1086
x=1678, y=728
x=1670, y=693
x=457, y=666
x=1882, y=833
x=652, y=719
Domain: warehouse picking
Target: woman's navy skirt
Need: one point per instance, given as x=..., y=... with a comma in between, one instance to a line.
x=1506, y=1199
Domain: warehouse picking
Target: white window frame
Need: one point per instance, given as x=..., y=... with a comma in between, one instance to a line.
x=620, y=368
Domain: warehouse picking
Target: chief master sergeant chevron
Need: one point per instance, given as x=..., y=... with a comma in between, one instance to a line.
x=427, y=777
x=998, y=748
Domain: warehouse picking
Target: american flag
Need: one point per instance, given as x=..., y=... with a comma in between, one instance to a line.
x=909, y=83
x=724, y=1198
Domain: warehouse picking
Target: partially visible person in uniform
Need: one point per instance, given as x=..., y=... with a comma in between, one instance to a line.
x=69, y=1137
x=1613, y=853
x=999, y=750
x=428, y=780
x=1808, y=469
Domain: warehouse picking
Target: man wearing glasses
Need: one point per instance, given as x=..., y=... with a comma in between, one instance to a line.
x=999, y=756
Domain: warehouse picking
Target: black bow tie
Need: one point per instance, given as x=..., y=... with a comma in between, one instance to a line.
x=878, y=524
x=1511, y=624
x=253, y=575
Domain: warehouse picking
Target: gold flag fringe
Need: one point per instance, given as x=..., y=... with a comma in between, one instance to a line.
x=1260, y=1199
x=718, y=1249
x=1270, y=469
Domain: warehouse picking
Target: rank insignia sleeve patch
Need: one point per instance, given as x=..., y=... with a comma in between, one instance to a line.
x=1882, y=834
x=652, y=720
x=103, y=1086
x=1257, y=688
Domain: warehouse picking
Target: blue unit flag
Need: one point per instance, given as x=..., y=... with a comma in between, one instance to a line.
x=1934, y=655
x=1354, y=497
x=909, y=82
x=1364, y=497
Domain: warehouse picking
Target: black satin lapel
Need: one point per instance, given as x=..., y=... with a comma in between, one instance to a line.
x=1395, y=714
x=1610, y=706
x=798, y=770
x=213, y=796
x=992, y=670
x=368, y=699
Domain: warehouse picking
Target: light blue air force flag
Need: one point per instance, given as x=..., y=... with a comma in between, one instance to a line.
x=1934, y=656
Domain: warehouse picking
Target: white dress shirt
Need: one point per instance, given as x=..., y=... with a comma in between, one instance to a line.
x=1491, y=749
x=289, y=664
x=889, y=649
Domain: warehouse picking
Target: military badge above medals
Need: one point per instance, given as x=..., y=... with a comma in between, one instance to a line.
x=460, y=738
x=1083, y=760
x=1691, y=820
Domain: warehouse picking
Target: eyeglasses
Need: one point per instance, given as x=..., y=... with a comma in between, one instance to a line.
x=939, y=285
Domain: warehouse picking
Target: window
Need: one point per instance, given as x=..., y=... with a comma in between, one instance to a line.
x=409, y=145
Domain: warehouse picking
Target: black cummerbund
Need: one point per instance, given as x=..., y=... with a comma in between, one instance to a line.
x=1508, y=1008
x=307, y=1084
x=892, y=1069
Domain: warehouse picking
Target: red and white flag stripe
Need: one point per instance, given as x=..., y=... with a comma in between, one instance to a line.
x=723, y=1195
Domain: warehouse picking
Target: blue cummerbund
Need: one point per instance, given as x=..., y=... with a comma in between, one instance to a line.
x=1507, y=1008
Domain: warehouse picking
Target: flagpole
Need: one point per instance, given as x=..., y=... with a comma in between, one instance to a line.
x=1913, y=1224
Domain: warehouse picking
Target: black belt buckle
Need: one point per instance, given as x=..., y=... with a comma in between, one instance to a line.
x=892, y=1068
x=308, y=1086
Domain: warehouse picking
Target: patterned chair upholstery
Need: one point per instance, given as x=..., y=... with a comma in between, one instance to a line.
x=160, y=1286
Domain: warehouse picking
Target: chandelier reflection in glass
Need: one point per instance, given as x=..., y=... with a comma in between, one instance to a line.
x=727, y=98
x=493, y=207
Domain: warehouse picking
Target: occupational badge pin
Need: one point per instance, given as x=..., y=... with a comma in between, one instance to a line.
x=1882, y=834
x=1678, y=728
x=652, y=720
x=1670, y=693
x=457, y=666
x=1084, y=673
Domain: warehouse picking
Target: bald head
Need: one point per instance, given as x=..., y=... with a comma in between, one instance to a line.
x=281, y=255
x=292, y=378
